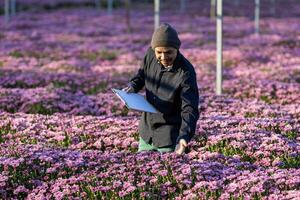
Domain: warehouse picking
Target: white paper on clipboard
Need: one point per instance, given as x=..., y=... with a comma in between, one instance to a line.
x=135, y=101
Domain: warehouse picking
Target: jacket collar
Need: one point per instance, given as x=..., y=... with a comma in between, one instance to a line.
x=177, y=62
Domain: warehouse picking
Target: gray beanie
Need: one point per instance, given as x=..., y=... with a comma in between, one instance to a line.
x=165, y=36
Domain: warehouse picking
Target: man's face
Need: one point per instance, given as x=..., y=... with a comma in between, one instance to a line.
x=165, y=55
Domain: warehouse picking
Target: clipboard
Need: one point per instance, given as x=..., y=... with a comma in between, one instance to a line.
x=134, y=101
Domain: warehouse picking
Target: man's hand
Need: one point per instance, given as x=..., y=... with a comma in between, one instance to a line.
x=128, y=89
x=181, y=146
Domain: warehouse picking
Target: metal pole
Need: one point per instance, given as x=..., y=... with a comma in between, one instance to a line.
x=13, y=7
x=7, y=11
x=257, y=2
x=156, y=13
x=109, y=7
x=128, y=18
x=237, y=2
x=97, y=4
x=182, y=6
x=212, y=9
x=273, y=7
x=219, y=35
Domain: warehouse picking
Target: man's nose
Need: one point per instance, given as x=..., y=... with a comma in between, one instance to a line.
x=163, y=56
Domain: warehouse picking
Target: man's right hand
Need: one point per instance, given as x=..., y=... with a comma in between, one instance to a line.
x=181, y=146
x=128, y=89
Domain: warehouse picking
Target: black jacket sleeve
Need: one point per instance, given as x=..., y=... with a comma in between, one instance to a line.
x=189, y=106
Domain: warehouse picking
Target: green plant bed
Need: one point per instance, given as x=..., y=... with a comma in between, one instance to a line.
x=290, y=161
x=224, y=148
x=4, y=130
x=101, y=54
x=39, y=108
x=98, y=88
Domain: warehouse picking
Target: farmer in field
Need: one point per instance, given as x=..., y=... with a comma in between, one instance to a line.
x=171, y=87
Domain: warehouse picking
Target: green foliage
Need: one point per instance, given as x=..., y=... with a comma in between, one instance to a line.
x=249, y=114
x=201, y=140
x=296, y=75
x=4, y=130
x=136, y=136
x=132, y=150
x=32, y=54
x=200, y=42
x=241, y=197
x=212, y=194
x=272, y=115
x=17, y=84
x=108, y=55
x=23, y=174
x=123, y=112
x=265, y=69
x=152, y=189
x=89, y=193
x=290, y=43
x=39, y=108
x=70, y=86
x=292, y=135
x=89, y=55
x=36, y=54
x=66, y=141
x=21, y=84
x=51, y=127
x=290, y=161
x=275, y=128
x=104, y=126
x=266, y=99
x=229, y=63
x=16, y=54
x=30, y=170
x=224, y=148
x=11, y=109
x=29, y=140
x=85, y=137
x=102, y=54
x=59, y=84
x=98, y=88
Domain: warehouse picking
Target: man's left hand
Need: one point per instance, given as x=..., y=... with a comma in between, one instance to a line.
x=181, y=146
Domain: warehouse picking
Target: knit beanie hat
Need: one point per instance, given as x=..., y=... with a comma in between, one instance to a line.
x=165, y=36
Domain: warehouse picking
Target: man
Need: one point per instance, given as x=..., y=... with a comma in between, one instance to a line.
x=171, y=87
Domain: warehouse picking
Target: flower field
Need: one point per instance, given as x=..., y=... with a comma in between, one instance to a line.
x=65, y=135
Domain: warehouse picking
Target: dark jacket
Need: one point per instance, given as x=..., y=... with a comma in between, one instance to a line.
x=174, y=93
